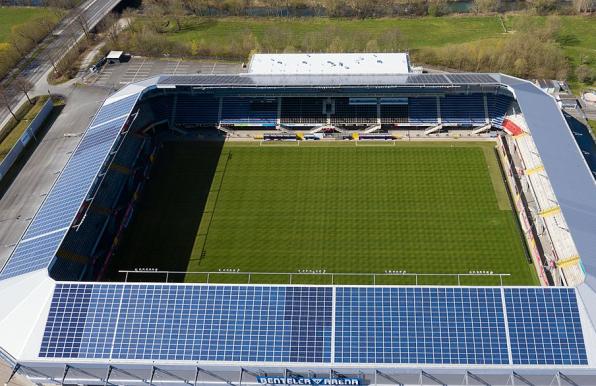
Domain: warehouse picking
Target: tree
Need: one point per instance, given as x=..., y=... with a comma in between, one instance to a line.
x=82, y=21
x=5, y=101
x=109, y=27
x=486, y=6
x=176, y=10
x=582, y=6
x=23, y=85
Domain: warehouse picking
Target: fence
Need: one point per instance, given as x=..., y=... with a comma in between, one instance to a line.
x=331, y=276
x=27, y=135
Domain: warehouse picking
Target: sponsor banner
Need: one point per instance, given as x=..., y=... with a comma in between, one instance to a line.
x=308, y=381
x=383, y=101
x=363, y=101
x=393, y=101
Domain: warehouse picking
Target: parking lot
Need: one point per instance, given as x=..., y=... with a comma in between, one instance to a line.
x=139, y=68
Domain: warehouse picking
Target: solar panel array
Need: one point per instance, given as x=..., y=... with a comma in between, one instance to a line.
x=544, y=327
x=184, y=322
x=281, y=324
x=452, y=325
x=38, y=245
x=471, y=78
x=314, y=80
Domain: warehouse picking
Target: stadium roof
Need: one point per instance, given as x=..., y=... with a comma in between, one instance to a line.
x=329, y=80
x=330, y=63
x=49, y=322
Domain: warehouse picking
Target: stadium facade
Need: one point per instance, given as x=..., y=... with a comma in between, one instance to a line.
x=61, y=325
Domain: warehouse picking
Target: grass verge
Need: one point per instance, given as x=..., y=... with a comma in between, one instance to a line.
x=14, y=129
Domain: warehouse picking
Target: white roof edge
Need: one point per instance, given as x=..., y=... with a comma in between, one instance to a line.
x=25, y=302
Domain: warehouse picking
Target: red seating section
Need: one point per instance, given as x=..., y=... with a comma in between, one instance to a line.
x=511, y=128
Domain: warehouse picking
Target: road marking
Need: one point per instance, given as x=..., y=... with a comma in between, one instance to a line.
x=177, y=65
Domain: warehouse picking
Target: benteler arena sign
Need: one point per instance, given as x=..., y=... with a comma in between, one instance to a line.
x=308, y=381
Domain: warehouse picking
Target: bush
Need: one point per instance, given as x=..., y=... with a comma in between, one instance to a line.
x=584, y=73
x=525, y=54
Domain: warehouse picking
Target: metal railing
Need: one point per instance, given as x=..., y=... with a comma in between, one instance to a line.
x=319, y=273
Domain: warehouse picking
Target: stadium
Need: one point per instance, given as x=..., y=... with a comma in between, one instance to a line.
x=333, y=219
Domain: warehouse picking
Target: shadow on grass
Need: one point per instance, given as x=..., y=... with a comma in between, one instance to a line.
x=162, y=233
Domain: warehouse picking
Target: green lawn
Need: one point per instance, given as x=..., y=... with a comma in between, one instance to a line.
x=11, y=16
x=15, y=129
x=420, y=208
x=416, y=32
x=235, y=37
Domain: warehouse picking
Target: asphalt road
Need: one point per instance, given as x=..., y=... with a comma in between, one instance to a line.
x=53, y=47
x=25, y=194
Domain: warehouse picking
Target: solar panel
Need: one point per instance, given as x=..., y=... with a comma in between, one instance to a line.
x=420, y=325
x=186, y=322
x=49, y=225
x=211, y=80
x=115, y=109
x=471, y=78
x=544, y=326
x=427, y=79
x=31, y=255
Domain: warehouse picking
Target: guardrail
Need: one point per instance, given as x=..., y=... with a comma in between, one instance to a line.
x=25, y=138
x=331, y=275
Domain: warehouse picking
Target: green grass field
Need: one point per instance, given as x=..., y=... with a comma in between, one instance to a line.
x=11, y=16
x=420, y=208
x=416, y=32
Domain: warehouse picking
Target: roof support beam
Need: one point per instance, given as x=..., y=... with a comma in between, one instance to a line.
x=108, y=373
x=66, y=368
x=216, y=376
x=564, y=377
x=170, y=374
x=129, y=374
x=14, y=371
x=31, y=370
x=388, y=377
x=476, y=378
x=73, y=368
x=196, y=376
x=431, y=377
x=521, y=378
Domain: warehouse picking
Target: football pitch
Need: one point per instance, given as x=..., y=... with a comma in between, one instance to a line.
x=352, y=210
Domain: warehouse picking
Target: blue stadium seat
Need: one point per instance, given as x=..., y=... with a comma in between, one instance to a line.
x=197, y=109
x=497, y=108
x=303, y=110
x=394, y=113
x=463, y=109
x=352, y=113
x=422, y=111
x=261, y=111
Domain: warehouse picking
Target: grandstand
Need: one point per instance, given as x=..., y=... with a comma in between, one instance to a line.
x=459, y=110
x=66, y=323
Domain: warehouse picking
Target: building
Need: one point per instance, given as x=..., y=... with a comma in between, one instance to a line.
x=61, y=327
